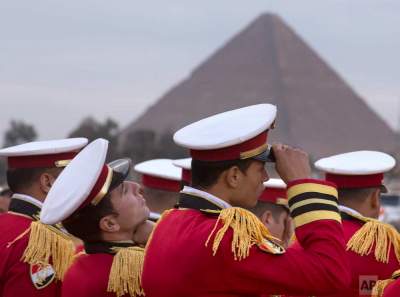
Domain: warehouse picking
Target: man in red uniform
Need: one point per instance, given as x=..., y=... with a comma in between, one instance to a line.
x=109, y=214
x=32, y=169
x=371, y=244
x=211, y=246
x=273, y=211
x=161, y=182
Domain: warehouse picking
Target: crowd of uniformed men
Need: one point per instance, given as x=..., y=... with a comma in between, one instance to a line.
x=214, y=224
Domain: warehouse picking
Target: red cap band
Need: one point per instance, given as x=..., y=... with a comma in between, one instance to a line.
x=234, y=152
x=272, y=195
x=355, y=181
x=161, y=183
x=98, y=191
x=187, y=175
x=39, y=161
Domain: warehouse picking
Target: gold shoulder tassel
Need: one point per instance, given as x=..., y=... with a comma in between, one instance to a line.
x=48, y=245
x=247, y=231
x=374, y=232
x=126, y=272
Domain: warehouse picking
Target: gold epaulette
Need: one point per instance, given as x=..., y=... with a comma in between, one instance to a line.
x=248, y=230
x=373, y=232
x=48, y=245
x=126, y=272
x=381, y=285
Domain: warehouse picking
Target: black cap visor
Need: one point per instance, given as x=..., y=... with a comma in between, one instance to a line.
x=266, y=156
x=121, y=169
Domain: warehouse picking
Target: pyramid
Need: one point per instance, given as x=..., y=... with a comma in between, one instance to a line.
x=268, y=62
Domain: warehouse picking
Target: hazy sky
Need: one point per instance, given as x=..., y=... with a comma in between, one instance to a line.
x=63, y=60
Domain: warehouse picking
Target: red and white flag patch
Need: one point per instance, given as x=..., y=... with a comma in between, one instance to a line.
x=42, y=275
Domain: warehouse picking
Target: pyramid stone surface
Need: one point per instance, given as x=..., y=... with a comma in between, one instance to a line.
x=269, y=62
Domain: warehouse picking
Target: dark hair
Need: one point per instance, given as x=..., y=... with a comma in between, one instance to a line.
x=263, y=206
x=84, y=223
x=21, y=178
x=205, y=174
x=358, y=195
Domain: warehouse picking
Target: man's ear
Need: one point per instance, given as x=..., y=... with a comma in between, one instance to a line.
x=233, y=177
x=375, y=201
x=266, y=217
x=109, y=224
x=46, y=181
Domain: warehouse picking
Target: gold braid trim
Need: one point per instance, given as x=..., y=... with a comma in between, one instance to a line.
x=374, y=232
x=248, y=230
x=380, y=286
x=126, y=272
x=48, y=245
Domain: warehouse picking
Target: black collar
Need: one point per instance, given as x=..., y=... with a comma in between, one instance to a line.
x=348, y=217
x=25, y=208
x=196, y=202
x=106, y=247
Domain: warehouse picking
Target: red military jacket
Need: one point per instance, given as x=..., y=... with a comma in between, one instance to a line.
x=365, y=270
x=178, y=263
x=16, y=277
x=89, y=274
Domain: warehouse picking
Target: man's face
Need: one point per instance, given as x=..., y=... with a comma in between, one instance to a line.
x=276, y=225
x=251, y=185
x=4, y=203
x=280, y=225
x=129, y=204
x=377, y=205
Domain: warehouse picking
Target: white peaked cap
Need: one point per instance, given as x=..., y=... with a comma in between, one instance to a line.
x=47, y=147
x=75, y=183
x=235, y=134
x=275, y=183
x=360, y=169
x=185, y=163
x=42, y=154
x=163, y=168
x=357, y=163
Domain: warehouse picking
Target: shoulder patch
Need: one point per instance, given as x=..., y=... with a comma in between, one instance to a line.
x=42, y=276
x=271, y=247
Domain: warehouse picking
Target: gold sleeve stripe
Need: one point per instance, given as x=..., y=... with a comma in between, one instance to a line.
x=311, y=201
x=317, y=215
x=311, y=187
